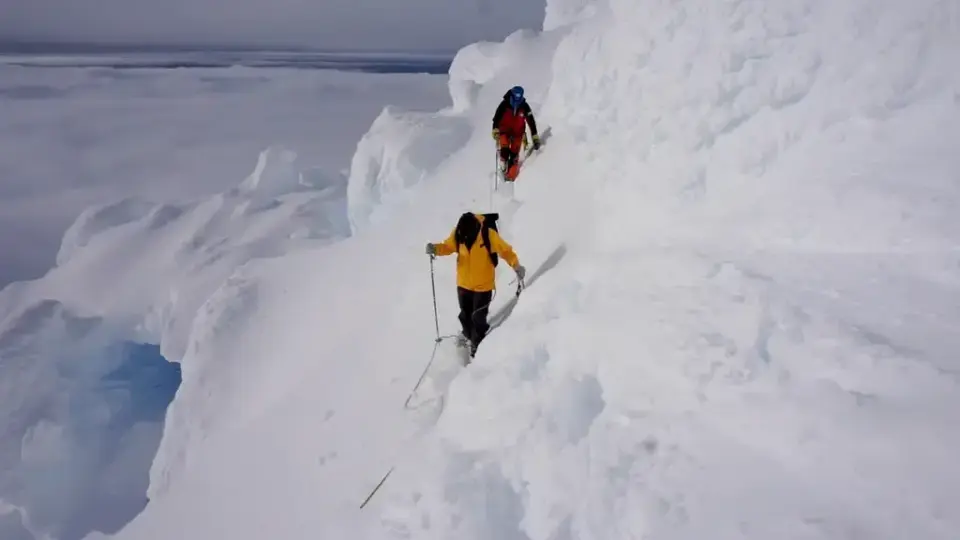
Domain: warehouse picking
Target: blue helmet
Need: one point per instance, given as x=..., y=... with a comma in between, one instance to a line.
x=515, y=96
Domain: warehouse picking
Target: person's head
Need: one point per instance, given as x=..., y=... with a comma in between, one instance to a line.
x=515, y=97
x=467, y=229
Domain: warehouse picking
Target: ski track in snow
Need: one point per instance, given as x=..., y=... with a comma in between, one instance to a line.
x=740, y=315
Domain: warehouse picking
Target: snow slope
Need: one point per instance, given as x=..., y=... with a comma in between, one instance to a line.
x=753, y=336
x=739, y=319
x=84, y=377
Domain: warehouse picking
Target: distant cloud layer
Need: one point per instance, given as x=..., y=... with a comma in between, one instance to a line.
x=354, y=24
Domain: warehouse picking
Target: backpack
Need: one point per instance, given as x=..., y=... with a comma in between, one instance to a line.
x=490, y=222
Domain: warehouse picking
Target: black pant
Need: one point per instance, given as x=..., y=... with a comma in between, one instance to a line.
x=508, y=156
x=473, y=313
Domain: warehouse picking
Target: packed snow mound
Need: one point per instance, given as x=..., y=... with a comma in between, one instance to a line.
x=90, y=354
x=400, y=150
x=83, y=417
x=97, y=219
x=83, y=414
x=187, y=250
x=479, y=64
x=740, y=113
x=560, y=13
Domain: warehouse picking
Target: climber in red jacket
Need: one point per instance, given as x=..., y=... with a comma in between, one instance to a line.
x=509, y=127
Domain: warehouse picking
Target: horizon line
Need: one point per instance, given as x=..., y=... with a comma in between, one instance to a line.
x=9, y=45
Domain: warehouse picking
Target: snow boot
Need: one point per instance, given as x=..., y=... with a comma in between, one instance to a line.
x=512, y=170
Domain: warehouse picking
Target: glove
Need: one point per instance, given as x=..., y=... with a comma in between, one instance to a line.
x=496, y=134
x=431, y=249
x=521, y=271
x=536, y=142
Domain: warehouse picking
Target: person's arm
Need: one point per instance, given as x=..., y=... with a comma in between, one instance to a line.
x=531, y=121
x=504, y=249
x=498, y=114
x=448, y=246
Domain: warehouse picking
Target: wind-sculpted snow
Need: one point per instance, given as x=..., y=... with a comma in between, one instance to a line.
x=561, y=13
x=717, y=113
x=90, y=355
x=185, y=251
x=83, y=414
x=514, y=61
x=400, y=149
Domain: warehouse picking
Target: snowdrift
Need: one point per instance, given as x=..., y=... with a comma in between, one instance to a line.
x=91, y=355
x=739, y=319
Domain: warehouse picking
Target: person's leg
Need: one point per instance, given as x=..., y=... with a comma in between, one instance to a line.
x=506, y=155
x=516, y=143
x=503, y=145
x=513, y=167
x=480, y=309
x=465, y=299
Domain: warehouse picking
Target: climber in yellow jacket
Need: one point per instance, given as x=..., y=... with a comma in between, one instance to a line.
x=478, y=246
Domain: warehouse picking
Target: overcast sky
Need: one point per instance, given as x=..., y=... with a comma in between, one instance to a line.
x=356, y=24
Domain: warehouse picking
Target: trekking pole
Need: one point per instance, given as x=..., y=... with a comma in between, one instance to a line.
x=436, y=342
x=374, y=492
x=433, y=287
x=519, y=283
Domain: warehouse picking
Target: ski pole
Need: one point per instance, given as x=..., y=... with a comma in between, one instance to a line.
x=374, y=492
x=433, y=287
x=519, y=285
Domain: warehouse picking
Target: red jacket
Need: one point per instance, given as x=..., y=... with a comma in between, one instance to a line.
x=513, y=123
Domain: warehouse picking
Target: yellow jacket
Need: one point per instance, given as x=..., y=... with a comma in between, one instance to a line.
x=475, y=272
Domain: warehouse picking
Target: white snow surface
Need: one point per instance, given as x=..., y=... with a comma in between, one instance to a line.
x=740, y=319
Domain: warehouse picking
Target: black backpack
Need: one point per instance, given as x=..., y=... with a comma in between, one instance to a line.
x=490, y=222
